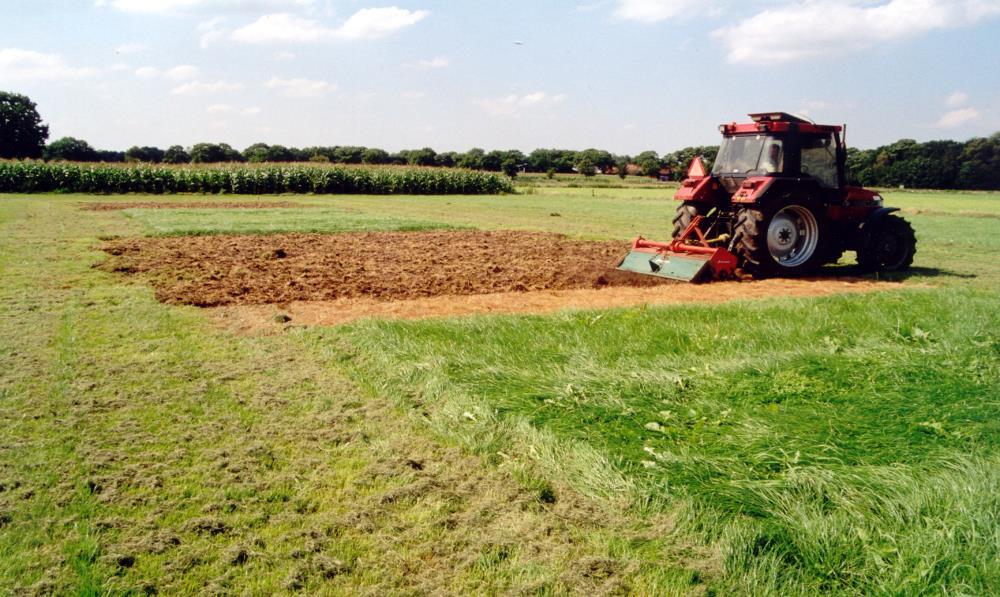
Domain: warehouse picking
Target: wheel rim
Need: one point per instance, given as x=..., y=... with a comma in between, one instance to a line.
x=792, y=236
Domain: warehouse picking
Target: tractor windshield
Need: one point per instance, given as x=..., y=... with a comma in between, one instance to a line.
x=741, y=155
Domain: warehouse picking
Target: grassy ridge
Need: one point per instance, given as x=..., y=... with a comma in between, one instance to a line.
x=40, y=177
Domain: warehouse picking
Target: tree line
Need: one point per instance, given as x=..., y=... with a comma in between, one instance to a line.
x=973, y=164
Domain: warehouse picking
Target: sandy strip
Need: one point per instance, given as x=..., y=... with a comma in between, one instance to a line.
x=255, y=319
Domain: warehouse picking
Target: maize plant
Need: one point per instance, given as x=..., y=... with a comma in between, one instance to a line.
x=238, y=179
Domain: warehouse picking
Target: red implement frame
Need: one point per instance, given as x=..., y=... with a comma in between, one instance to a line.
x=722, y=262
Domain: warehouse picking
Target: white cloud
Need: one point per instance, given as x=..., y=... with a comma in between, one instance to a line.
x=26, y=65
x=300, y=87
x=283, y=55
x=282, y=27
x=372, y=23
x=810, y=29
x=430, y=63
x=181, y=72
x=147, y=72
x=513, y=104
x=957, y=99
x=251, y=111
x=653, y=11
x=413, y=95
x=367, y=23
x=958, y=117
x=202, y=88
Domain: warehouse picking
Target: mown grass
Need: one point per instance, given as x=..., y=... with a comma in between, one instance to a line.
x=827, y=445
x=187, y=222
x=142, y=450
x=843, y=444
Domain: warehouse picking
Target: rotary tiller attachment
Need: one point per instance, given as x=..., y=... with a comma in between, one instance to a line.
x=680, y=260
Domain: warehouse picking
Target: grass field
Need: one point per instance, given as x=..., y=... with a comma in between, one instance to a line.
x=846, y=444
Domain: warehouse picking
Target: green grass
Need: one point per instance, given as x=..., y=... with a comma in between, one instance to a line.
x=831, y=445
x=817, y=435
x=269, y=221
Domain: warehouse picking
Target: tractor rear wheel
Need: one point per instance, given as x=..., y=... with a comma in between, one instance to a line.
x=784, y=239
x=889, y=246
x=685, y=213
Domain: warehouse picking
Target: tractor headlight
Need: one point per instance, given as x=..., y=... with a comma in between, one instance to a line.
x=878, y=200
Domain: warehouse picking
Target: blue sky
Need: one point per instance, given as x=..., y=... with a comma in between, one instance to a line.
x=623, y=75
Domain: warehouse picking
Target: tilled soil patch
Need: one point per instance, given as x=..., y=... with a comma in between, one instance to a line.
x=191, y=205
x=212, y=271
x=265, y=319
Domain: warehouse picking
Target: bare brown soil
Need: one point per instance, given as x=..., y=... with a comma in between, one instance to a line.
x=254, y=319
x=212, y=271
x=117, y=206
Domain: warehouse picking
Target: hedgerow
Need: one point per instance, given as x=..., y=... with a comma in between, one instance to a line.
x=70, y=177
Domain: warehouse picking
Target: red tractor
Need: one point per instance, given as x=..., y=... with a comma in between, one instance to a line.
x=775, y=204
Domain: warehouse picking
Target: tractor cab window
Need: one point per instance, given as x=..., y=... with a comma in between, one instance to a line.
x=819, y=159
x=741, y=155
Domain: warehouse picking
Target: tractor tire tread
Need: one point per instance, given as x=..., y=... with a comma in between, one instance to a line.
x=869, y=262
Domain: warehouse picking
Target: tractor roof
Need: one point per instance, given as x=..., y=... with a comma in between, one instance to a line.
x=777, y=122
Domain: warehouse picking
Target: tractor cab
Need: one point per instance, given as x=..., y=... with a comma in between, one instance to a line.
x=777, y=144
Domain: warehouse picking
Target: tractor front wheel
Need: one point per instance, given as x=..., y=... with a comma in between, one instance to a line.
x=685, y=213
x=889, y=246
x=786, y=239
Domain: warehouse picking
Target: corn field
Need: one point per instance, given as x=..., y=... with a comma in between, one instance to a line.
x=68, y=177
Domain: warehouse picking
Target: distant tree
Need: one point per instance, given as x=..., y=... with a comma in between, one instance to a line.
x=373, y=155
x=509, y=166
x=256, y=153
x=540, y=160
x=493, y=160
x=319, y=158
x=447, y=159
x=420, y=157
x=151, y=155
x=22, y=134
x=70, y=149
x=208, y=153
x=585, y=166
x=601, y=159
x=649, y=162
x=279, y=153
x=175, y=154
x=349, y=155
x=980, y=167
x=472, y=159
x=109, y=155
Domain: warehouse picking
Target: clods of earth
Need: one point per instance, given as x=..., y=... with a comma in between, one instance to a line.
x=256, y=283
